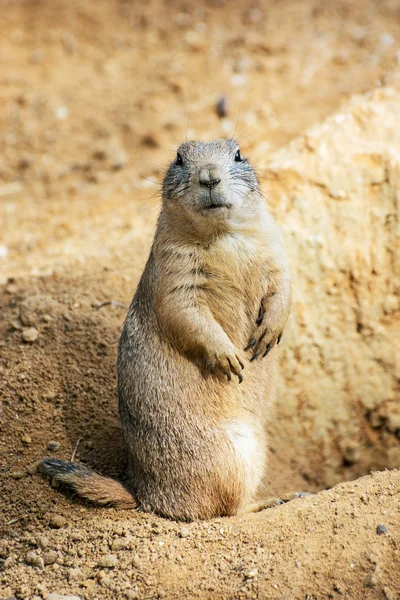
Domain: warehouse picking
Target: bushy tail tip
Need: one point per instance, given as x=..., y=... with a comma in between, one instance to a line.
x=88, y=484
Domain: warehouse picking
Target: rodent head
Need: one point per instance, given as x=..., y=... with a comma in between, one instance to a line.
x=211, y=182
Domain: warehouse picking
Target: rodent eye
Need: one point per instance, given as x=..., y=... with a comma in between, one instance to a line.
x=179, y=159
x=238, y=156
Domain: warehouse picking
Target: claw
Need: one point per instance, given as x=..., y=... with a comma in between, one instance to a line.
x=240, y=363
x=260, y=318
x=211, y=366
x=279, y=338
x=268, y=349
x=256, y=355
x=240, y=376
x=228, y=375
x=251, y=343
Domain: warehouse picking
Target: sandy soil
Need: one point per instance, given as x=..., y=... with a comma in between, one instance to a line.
x=93, y=97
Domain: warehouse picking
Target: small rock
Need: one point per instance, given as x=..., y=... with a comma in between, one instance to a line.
x=8, y=562
x=18, y=475
x=53, y=446
x=118, y=160
x=34, y=559
x=240, y=65
x=195, y=40
x=57, y=521
x=26, y=439
x=184, y=532
x=238, y=79
x=62, y=113
x=32, y=468
x=109, y=561
x=30, y=335
x=386, y=39
x=252, y=573
x=27, y=315
x=43, y=541
x=136, y=562
x=50, y=557
x=99, y=155
x=381, y=529
x=222, y=107
x=12, y=288
x=150, y=141
x=121, y=544
x=74, y=573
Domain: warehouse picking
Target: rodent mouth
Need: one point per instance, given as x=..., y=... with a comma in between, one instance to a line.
x=216, y=206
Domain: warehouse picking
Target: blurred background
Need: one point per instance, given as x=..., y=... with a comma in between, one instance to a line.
x=96, y=94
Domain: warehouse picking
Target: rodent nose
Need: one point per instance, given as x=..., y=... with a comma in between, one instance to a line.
x=209, y=176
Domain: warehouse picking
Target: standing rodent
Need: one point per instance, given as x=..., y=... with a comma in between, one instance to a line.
x=195, y=371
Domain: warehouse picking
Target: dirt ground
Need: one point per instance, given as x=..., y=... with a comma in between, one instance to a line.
x=94, y=97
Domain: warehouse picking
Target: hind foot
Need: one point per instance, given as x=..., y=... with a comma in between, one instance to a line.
x=273, y=502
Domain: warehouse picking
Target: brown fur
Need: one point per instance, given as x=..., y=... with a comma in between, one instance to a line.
x=216, y=282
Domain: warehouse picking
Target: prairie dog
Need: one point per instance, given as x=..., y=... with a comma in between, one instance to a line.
x=196, y=362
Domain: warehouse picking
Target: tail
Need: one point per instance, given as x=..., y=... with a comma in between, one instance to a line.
x=88, y=484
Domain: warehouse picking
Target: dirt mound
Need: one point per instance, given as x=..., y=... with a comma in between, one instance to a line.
x=91, y=94
x=336, y=194
x=341, y=543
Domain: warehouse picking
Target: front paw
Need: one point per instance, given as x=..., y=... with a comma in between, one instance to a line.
x=226, y=362
x=264, y=338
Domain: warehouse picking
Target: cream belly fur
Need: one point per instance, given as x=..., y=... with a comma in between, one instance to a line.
x=250, y=450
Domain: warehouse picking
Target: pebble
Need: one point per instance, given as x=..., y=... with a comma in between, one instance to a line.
x=27, y=315
x=34, y=559
x=32, y=468
x=57, y=521
x=105, y=581
x=50, y=557
x=150, y=141
x=136, y=562
x=18, y=475
x=12, y=288
x=30, y=335
x=8, y=562
x=53, y=446
x=252, y=573
x=184, y=532
x=121, y=544
x=109, y=561
x=222, y=107
x=26, y=439
x=381, y=529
